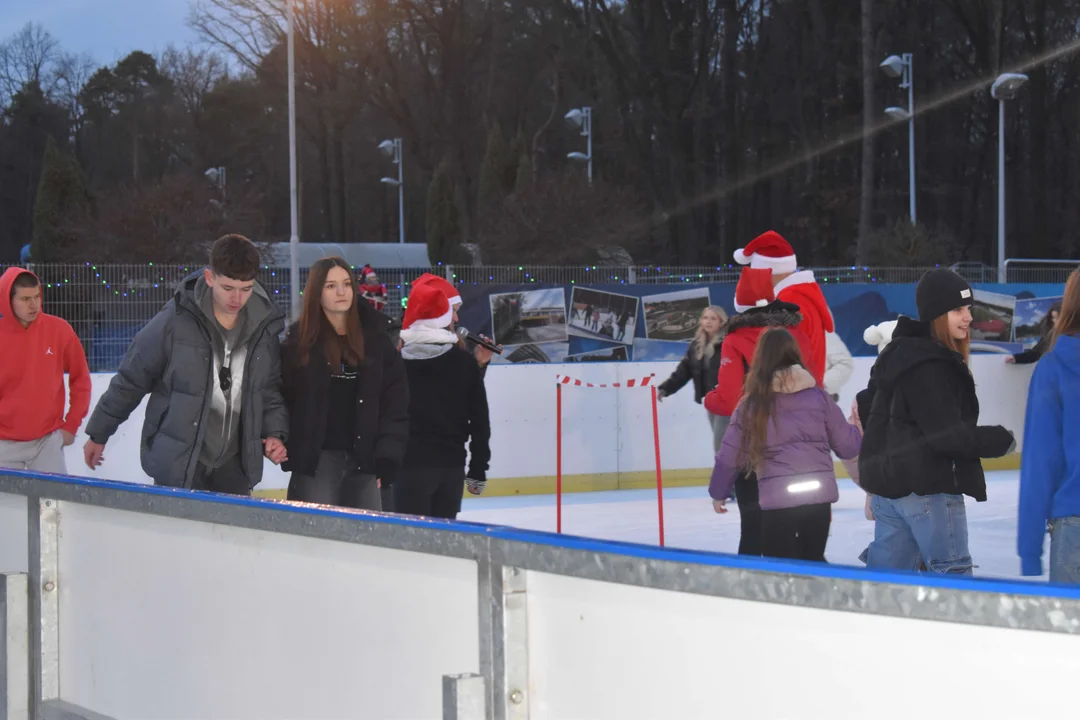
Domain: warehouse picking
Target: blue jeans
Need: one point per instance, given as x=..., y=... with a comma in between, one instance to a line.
x=1065, y=550
x=916, y=530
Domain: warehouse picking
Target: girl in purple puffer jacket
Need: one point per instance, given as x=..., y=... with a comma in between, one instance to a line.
x=785, y=430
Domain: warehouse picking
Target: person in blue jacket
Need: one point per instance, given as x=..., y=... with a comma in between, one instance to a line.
x=1050, y=469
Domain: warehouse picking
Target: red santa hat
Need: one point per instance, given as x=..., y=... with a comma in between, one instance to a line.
x=755, y=289
x=369, y=275
x=427, y=308
x=769, y=250
x=446, y=288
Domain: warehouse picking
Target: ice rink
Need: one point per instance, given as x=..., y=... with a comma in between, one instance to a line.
x=689, y=521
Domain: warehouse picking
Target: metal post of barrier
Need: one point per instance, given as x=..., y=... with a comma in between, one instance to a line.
x=659, y=471
x=44, y=603
x=464, y=697
x=515, y=646
x=15, y=649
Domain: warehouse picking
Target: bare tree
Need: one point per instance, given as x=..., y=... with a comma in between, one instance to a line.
x=193, y=73
x=26, y=58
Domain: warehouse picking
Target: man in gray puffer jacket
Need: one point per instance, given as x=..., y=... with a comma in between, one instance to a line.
x=211, y=364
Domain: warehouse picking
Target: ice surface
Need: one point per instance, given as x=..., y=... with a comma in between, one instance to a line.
x=689, y=521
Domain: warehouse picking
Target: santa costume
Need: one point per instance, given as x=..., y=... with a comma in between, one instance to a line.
x=772, y=252
x=371, y=289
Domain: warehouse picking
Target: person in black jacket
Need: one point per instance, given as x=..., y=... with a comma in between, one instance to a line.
x=923, y=445
x=347, y=393
x=1046, y=332
x=701, y=365
x=447, y=409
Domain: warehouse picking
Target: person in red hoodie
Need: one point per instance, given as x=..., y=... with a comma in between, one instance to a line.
x=772, y=252
x=759, y=310
x=38, y=349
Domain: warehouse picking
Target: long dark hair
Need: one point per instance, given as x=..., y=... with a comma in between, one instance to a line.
x=315, y=327
x=776, y=350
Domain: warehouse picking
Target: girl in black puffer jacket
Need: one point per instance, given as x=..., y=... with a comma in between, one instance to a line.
x=702, y=365
x=922, y=448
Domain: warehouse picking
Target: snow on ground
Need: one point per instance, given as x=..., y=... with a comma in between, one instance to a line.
x=689, y=521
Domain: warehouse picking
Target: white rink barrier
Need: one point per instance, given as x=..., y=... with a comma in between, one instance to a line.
x=604, y=431
x=130, y=602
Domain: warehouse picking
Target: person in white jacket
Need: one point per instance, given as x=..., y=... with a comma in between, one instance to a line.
x=838, y=364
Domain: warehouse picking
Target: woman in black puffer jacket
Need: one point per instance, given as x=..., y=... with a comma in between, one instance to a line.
x=347, y=393
x=923, y=445
x=701, y=365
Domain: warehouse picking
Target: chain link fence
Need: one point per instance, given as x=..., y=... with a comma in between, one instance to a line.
x=108, y=304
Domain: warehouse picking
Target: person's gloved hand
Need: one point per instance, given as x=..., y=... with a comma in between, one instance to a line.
x=475, y=482
x=1013, y=446
x=660, y=394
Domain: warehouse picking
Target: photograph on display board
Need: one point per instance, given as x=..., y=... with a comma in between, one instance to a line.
x=616, y=353
x=674, y=315
x=658, y=350
x=602, y=315
x=532, y=353
x=1028, y=318
x=529, y=317
x=992, y=316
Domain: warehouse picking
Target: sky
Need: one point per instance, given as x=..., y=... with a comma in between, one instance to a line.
x=105, y=29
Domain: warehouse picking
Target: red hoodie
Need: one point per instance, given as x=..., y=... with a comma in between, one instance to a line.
x=802, y=289
x=737, y=353
x=33, y=361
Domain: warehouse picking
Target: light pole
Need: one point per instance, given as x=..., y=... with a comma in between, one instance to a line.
x=1004, y=88
x=392, y=149
x=294, y=212
x=900, y=67
x=582, y=118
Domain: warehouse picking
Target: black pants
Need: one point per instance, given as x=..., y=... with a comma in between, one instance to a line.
x=229, y=478
x=798, y=533
x=336, y=481
x=746, y=495
x=434, y=492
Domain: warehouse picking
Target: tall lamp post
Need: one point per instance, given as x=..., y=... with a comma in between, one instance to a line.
x=1004, y=88
x=294, y=210
x=899, y=66
x=582, y=118
x=392, y=149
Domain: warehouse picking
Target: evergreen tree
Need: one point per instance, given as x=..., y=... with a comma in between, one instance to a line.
x=492, y=183
x=443, y=223
x=61, y=199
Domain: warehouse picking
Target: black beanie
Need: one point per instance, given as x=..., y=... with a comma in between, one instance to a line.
x=940, y=291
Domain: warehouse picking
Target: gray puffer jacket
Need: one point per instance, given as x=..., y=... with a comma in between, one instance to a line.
x=173, y=359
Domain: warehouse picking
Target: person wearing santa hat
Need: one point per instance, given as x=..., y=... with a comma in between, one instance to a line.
x=371, y=289
x=758, y=311
x=770, y=251
x=483, y=355
x=447, y=409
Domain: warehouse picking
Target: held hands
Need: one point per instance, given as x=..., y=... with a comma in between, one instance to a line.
x=274, y=450
x=719, y=506
x=93, y=454
x=854, y=418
